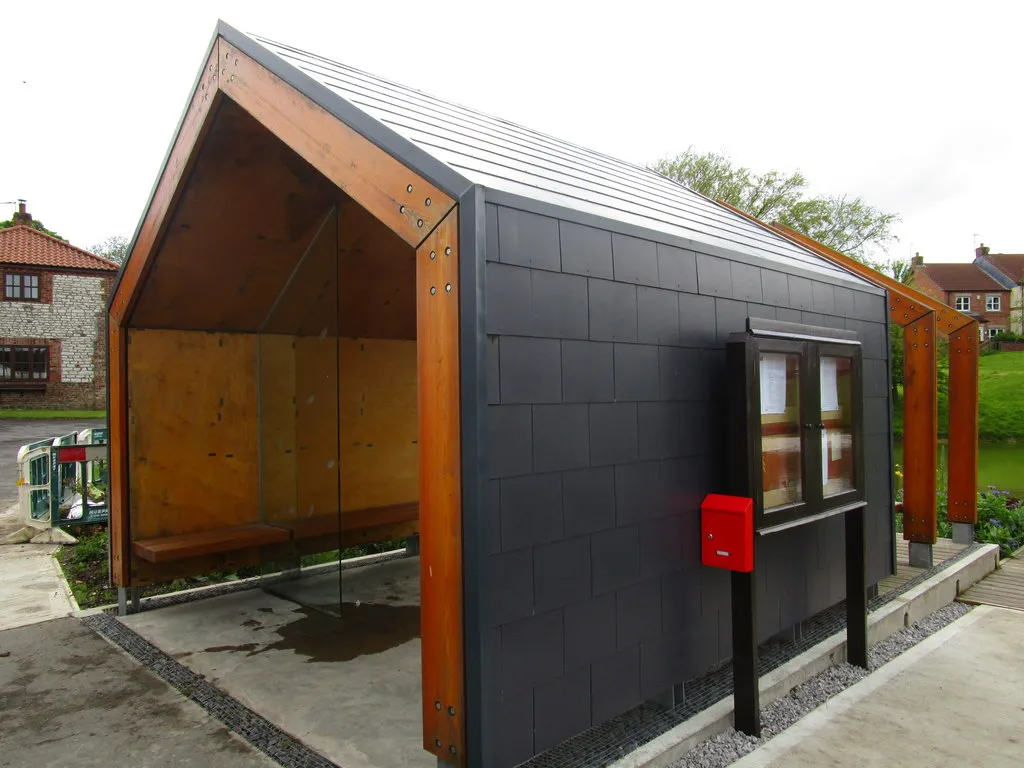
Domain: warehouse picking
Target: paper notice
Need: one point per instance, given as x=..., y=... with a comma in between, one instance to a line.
x=773, y=384
x=837, y=446
x=829, y=385
x=824, y=457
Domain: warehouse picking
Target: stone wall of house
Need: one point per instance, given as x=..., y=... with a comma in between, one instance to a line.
x=69, y=319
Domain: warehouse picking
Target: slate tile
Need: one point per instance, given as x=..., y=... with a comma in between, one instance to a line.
x=730, y=317
x=613, y=433
x=492, y=516
x=662, y=664
x=697, y=321
x=660, y=430
x=586, y=250
x=677, y=268
x=561, y=573
x=512, y=587
x=589, y=631
x=559, y=305
x=510, y=440
x=681, y=373
x=527, y=239
x=531, y=652
x=588, y=372
x=513, y=739
x=491, y=247
x=531, y=370
x=636, y=372
x=638, y=613
x=588, y=499
x=714, y=276
x=788, y=315
x=562, y=709
x=493, y=371
x=661, y=546
x=824, y=298
x=843, y=301
x=762, y=310
x=774, y=288
x=657, y=316
x=614, y=685
x=531, y=510
x=613, y=311
x=746, y=282
x=636, y=260
x=561, y=437
x=869, y=306
x=509, y=300
x=801, y=293
x=680, y=598
x=614, y=558
x=637, y=492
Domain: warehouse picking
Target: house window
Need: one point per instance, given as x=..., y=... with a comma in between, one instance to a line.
x=993, y=330
x=963, y=303
x=21, y=287
x=992, y=303
x=24, y=364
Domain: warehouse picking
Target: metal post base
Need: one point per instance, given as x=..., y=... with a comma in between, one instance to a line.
x=963, y=533
x=124, y=594
x=670, y=698
x=412, y=546
x=442, y=763
x=920, y=555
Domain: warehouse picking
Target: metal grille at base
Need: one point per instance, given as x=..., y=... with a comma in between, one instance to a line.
x=603, y=744
x=261, y=733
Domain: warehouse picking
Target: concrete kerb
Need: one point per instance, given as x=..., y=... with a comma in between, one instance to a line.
x=904, y=610
x=252, y=582
x=76, y=609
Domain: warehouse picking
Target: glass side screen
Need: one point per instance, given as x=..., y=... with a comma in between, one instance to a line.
x=781, y=464
x=836, y=375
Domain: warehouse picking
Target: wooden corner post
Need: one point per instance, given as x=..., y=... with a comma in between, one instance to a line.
x=963, y=427
x=437, y=342
x=920, y=434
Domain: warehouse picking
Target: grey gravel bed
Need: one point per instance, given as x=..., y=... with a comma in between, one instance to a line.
x=723, y=749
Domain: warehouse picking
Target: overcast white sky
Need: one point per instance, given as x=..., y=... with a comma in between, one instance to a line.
x=915, y=106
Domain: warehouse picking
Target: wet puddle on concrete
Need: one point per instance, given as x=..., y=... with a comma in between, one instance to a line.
x=362, y=630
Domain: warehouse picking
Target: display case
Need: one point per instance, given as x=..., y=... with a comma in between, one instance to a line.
x=796, y=403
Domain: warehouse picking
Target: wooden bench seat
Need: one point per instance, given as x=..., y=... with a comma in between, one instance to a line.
x=169, y=549
x=351, y=520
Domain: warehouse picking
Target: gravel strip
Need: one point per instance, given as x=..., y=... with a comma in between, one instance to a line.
x=727, y=747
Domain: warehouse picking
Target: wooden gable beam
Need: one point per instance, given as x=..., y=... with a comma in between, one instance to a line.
x=183, y=154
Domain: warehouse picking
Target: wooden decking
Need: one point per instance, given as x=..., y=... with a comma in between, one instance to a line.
x=944, y=549
x=1004, y=587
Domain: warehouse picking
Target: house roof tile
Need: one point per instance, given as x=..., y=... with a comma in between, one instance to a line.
x=27, y=246
x=1010, y=264
x=960, y=277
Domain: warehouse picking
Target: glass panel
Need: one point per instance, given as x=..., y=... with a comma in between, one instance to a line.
x=299, y=405
x=836, y=419
x=781, y=465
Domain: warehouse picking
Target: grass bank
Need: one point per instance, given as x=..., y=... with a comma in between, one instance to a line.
x=46, y=414
x=1000, y=399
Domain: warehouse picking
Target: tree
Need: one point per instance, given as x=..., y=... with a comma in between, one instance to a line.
x=848, y=225
x=114, y=248
x=35, y=224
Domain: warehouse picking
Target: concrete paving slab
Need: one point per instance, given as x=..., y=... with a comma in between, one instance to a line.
x=347, y=686
x=70, y=698
x=31, y=587
x=953, y=700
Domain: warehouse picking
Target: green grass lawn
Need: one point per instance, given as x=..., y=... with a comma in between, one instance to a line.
x=44, y=414
x=1001, y=395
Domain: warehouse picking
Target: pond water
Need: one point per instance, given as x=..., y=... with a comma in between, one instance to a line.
x=999, y=464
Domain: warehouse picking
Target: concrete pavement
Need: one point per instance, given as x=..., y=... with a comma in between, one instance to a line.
x=31, y=587
x=70, y=698
x=954, y=700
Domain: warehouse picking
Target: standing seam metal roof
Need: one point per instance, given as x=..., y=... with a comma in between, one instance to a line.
x=504, y=156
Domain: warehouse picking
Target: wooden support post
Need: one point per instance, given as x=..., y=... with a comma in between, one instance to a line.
x=440, y=459
x=117, y=440
x=963, y=426
x=920, y=431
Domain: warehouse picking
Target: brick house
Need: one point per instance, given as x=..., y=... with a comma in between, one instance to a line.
x=52, y=320
x=1007, y=269
x=968, y=289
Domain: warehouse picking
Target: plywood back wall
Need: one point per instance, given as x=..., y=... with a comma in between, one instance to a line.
x=192, y=431
x=379, y=454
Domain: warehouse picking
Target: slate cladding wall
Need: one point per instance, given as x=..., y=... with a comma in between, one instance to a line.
x=605, y=371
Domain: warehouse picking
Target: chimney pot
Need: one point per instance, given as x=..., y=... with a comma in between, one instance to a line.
x=917, y=261
x=22, y=216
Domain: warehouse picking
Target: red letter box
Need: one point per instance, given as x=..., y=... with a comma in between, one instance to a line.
x=727, y=532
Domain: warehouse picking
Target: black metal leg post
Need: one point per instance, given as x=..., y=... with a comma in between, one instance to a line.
x=746, y=695
x=856, y=591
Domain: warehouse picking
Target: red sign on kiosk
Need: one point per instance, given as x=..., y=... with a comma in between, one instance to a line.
x=727, y=532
